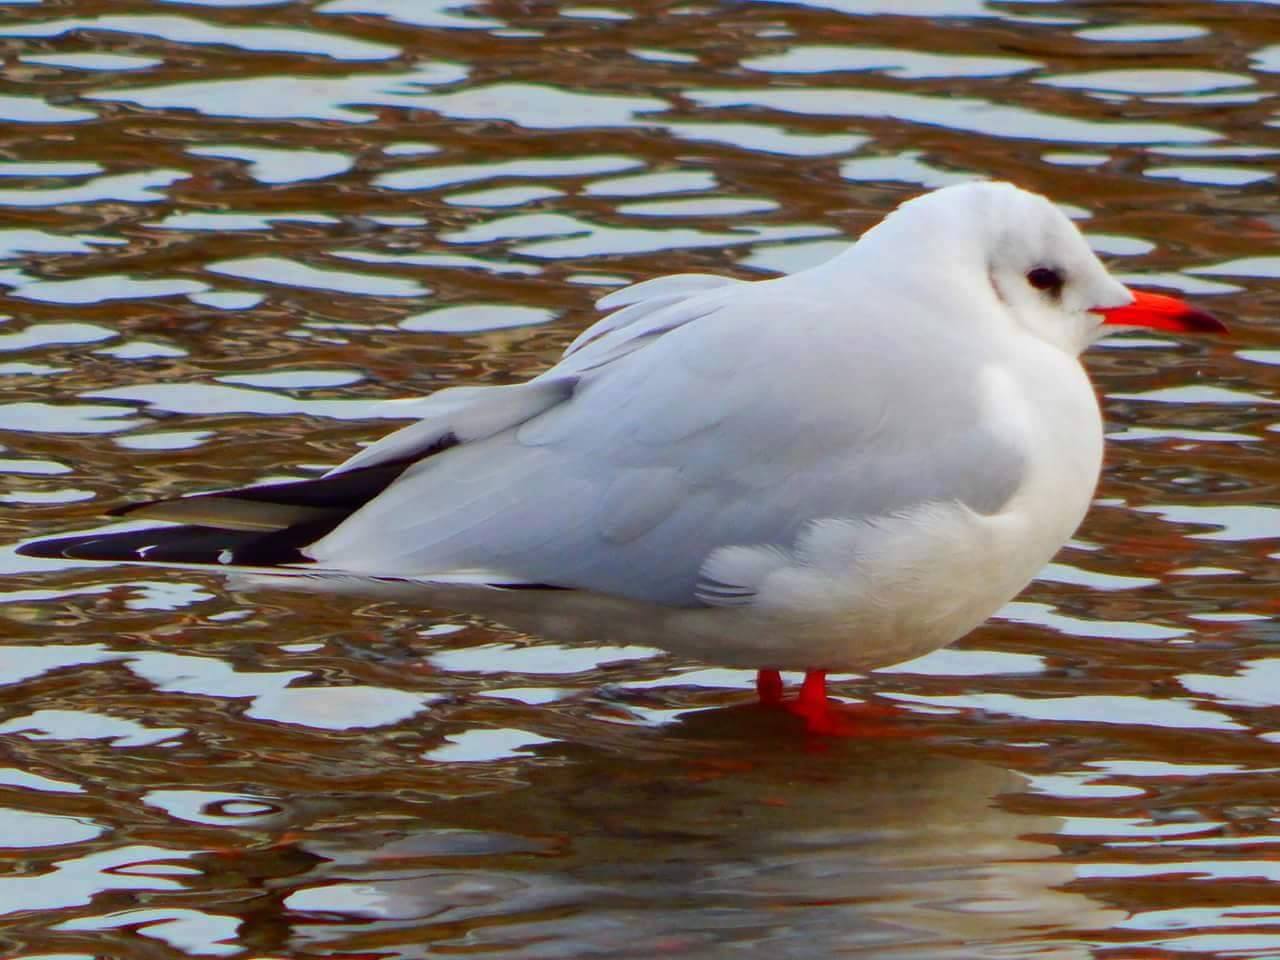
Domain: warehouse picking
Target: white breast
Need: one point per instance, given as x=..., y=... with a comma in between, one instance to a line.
x=868, y=592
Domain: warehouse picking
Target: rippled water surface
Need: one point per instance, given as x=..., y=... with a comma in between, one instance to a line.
x=231, y=228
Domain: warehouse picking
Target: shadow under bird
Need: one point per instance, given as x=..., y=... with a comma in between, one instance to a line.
x=839, y=469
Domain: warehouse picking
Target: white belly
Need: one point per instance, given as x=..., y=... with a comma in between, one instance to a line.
x=875, y=591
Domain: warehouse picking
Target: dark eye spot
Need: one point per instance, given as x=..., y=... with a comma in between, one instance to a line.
x=1046, y=278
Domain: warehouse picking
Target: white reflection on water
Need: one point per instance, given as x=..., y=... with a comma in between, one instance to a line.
x=165, y=440
x=1045, y=615
x=903, y=64
x=225, y=220
x=699, y=207
x=295, y=379
x=1135, y=711
x=950, y=662
x=1135, y=827
x=91, y=61
x=190, y=30
x=1238, y=522
x=65, y=495
x=1143, y=33
x=212, y=807
x=1196, y=393
x=970, y=114
x=29, y=370
x=921, y=8
x=103, y=288
x=455, y=261
x=1162, y=768
x=1093, y=579
x=572, y=237
x=26, y=780
x=472, y=318
x=537, y=107
x=207, y=399
x=13, y=242
x=601, y=240
x=35, y=110
x=47, y=334
x=661, y=56
x=539, y=658
x=49, y=168
x=790, y=257
x=1149, y=81
x=286, y=272
x=87, y=725
x=281, y=166
x=409, y=148
x=294, y=98
x=179, y=673
x=338, y=708
x=227, y=299
x=1196, y=870
x=1256, y=683
x=195, y=933
x=1080, y=785
x=502, y=196
x=1118, y=246
x=594, y=13
x=1264, y=267
x=165, y=595
x=1215, y=176
x=447, y=14
x=653, y=184
x=75, y=882
x=28, y=828
x=485, y=745
x=425, y=178
x=137, y=187
x=1194, y=286
x=270, y=693
x=141, y=350
x=768, y=138
x=65, y=417
x=1178, y=433
x=904, y=167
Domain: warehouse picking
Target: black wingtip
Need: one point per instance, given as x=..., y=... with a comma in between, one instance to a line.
x=185, y=544
x=64, y=548
x=37, y=549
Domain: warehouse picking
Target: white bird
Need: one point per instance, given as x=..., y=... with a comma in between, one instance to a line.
x=839, y=469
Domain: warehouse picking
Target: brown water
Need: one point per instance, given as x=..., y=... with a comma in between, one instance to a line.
x=229, y=228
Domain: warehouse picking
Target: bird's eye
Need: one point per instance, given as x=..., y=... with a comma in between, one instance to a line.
x=1045, y=278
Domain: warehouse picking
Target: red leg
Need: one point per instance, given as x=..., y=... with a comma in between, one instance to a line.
x=813, y=692
x=820, y=715
x=811, y=703
x=769, y=687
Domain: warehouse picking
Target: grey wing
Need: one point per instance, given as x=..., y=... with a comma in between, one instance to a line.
x=726, y=429
x=467, y=414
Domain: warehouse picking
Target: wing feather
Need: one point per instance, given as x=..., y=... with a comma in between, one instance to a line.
x=688, y=444
x=460, y=415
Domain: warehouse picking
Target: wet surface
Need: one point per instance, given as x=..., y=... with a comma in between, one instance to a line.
x=231, y=229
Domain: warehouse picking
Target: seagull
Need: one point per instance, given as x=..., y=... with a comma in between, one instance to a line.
x=834, y=470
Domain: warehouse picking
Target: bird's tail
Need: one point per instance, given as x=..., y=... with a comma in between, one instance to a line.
x=261, y=526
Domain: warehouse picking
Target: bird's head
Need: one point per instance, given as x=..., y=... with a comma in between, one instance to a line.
x=1037, y=264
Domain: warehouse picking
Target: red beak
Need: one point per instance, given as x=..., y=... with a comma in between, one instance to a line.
x=1159, y=312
